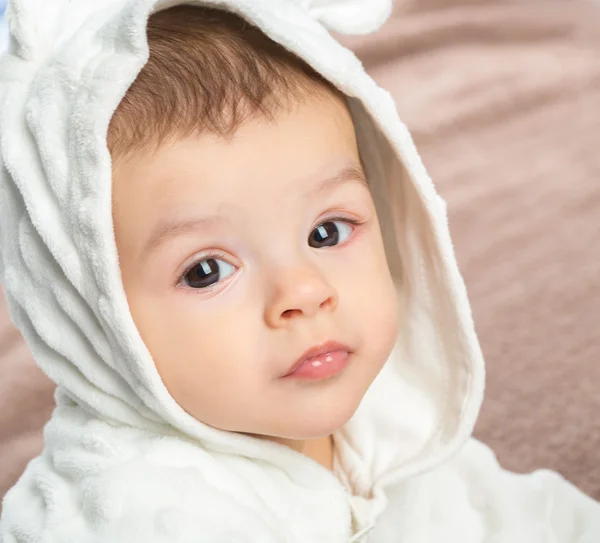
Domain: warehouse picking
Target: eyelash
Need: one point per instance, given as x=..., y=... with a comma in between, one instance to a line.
x=219, y=254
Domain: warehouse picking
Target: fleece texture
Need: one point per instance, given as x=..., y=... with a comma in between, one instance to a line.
x=122, y=461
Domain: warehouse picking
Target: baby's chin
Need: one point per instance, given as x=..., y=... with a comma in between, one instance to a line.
x=314, y=413
x=303, y=410
x=314, y=427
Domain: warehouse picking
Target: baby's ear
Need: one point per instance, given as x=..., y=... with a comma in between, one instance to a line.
x=34, y=25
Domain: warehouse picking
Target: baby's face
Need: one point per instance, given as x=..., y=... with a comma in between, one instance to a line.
x=237, y=255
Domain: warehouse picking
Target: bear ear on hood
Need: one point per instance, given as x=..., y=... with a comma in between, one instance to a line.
x=33, y=25
x=349, y=16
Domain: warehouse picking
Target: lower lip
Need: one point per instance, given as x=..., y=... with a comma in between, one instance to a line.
x=321, y=367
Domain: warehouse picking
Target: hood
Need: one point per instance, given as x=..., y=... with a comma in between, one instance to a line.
x=68, y=65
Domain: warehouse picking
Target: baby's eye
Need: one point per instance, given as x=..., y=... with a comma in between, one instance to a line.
x=207, y=272
x=329, y=233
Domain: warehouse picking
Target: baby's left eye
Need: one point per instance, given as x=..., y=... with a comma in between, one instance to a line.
x=329, y=233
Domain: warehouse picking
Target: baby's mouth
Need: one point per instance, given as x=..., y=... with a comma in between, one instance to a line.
x=321, y=361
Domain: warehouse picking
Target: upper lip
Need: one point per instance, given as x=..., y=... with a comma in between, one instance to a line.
x=317, y=350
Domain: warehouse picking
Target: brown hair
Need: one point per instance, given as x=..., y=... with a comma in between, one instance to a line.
x=209, y=70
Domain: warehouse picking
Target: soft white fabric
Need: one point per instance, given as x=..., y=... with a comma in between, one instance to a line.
x=122, y=462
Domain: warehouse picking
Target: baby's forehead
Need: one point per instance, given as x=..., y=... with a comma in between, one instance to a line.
x=303, y=157
x=314, y=138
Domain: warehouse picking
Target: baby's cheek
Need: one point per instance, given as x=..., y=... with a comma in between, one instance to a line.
x=383, y=302
x=212, y=369
x=182, y=345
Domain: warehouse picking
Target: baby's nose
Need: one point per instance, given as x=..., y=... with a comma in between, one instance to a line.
x=301, y=292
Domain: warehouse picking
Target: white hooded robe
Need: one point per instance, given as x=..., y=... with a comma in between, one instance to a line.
x=122, y=461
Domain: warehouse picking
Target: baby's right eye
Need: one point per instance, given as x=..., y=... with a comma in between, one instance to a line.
x=207, y=272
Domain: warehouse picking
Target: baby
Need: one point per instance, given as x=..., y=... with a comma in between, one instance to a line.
x=219, y=241
x=251, y=310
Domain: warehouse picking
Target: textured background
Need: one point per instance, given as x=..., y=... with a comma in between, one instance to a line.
x=503, y=99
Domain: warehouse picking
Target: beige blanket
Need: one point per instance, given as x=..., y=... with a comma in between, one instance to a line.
x=503, y=99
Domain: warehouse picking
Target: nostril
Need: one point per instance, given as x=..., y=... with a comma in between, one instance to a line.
x=289, y=313
x=329, y=303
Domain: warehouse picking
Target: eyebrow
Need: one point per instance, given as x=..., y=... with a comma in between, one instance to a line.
x=171, y=229
x=347, y=175
x=176, y=228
